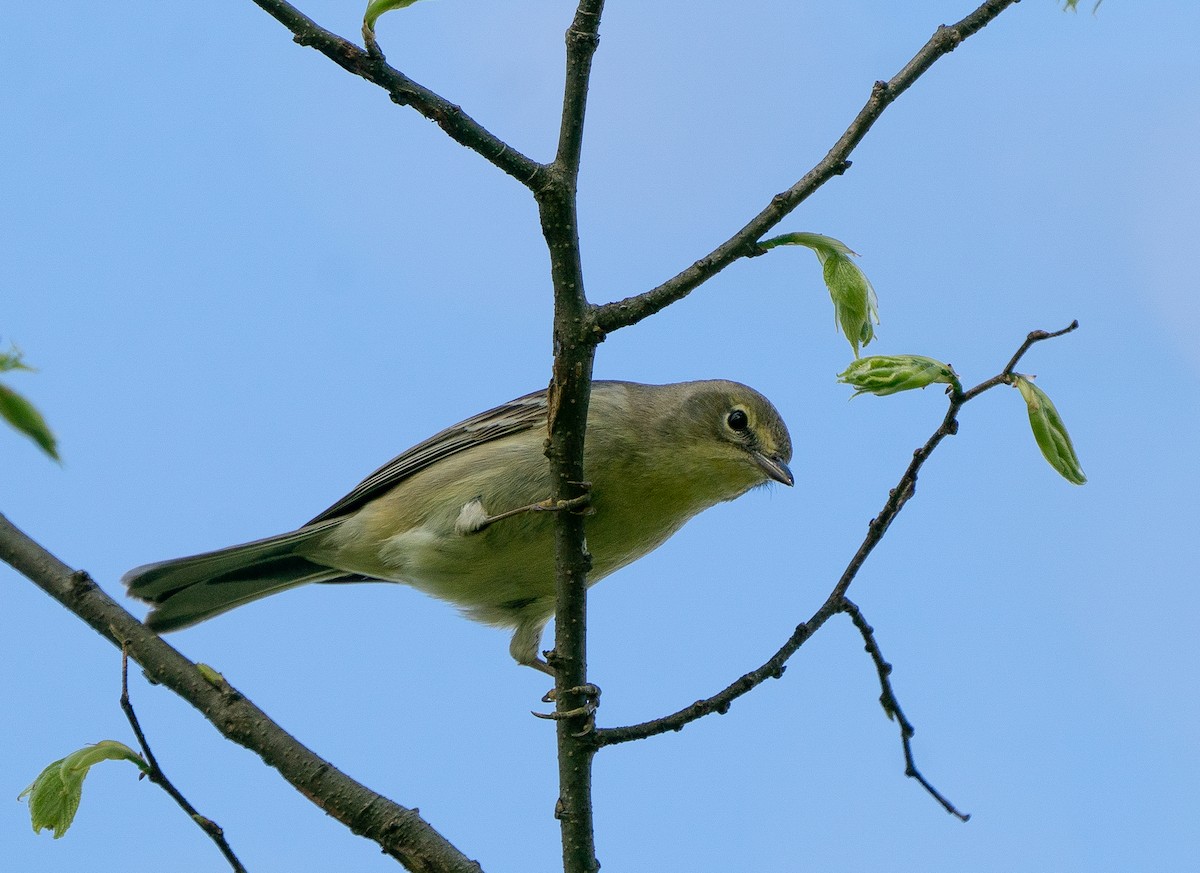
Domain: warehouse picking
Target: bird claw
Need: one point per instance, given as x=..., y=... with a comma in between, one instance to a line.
x=580, y=504
x=591, y=703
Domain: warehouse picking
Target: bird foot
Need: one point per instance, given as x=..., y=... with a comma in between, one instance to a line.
x=591, y=702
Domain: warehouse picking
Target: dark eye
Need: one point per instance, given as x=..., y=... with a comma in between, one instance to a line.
x=737, y=420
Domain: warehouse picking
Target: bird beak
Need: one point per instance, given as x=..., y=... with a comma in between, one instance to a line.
x=775, y=468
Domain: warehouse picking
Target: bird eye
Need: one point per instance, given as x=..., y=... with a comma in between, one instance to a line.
x=737, y=420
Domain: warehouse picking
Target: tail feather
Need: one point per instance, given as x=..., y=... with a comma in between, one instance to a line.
x=187, y=590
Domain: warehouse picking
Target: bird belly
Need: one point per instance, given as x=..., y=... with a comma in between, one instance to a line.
x=503, y=572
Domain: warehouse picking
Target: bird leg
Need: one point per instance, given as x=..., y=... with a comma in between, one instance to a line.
x=473, y=518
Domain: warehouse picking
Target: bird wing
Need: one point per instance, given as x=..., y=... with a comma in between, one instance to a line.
x=515, y=416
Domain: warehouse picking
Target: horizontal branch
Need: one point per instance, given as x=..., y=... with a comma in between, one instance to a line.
x=399, y=831
x=459, y=126
x=836, y=601
x=631, y=310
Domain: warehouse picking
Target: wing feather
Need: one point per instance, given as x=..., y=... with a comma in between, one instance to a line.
x=515, y=416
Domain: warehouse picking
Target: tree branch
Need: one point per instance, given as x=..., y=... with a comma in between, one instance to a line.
x=570, y=389
x=400, y=832
x=582, y=40
x=891, y=706
x=403, y=91
x=156, y=775
x=631, y=310
x=835, y=602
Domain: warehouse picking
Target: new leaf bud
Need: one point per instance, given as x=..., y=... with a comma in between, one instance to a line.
x=1050, y=432
x=889, y=374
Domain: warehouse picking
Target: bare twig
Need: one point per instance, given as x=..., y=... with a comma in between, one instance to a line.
x=891, y=706
x=156, y=775
x=403, y=91
x=876, y=528
x=400, y=832
x=946, y=39
x=1005, y=375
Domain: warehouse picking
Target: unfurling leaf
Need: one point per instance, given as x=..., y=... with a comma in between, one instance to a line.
x=889, y=374
x=377, y=7
x=1050, y=432
x=55, y=794
x=855, y=305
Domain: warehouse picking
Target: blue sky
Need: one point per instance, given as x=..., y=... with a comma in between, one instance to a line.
x=247, y=279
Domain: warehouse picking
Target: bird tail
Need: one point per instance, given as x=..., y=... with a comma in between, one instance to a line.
x=185, y=591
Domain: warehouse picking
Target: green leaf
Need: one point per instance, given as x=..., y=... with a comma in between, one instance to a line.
x=23, y=416
x=889, y=374
x=855, y=305
x=12, y=360
x=377, y=7
x=1050, y=432
x=55, y=794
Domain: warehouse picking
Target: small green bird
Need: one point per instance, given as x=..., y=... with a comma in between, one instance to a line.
x=447, y=516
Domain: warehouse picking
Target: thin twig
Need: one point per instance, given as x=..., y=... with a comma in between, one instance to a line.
x=399, y=831
x=156, y=775
x=403, y=91
x=947, y=38
x=1005, y=375
x=891, y=706
x=876, y=528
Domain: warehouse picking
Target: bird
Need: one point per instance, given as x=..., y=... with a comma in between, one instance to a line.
x=454, y=515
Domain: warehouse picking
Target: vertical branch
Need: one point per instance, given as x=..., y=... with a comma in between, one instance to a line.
x=574, y=351
x=582, y=39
